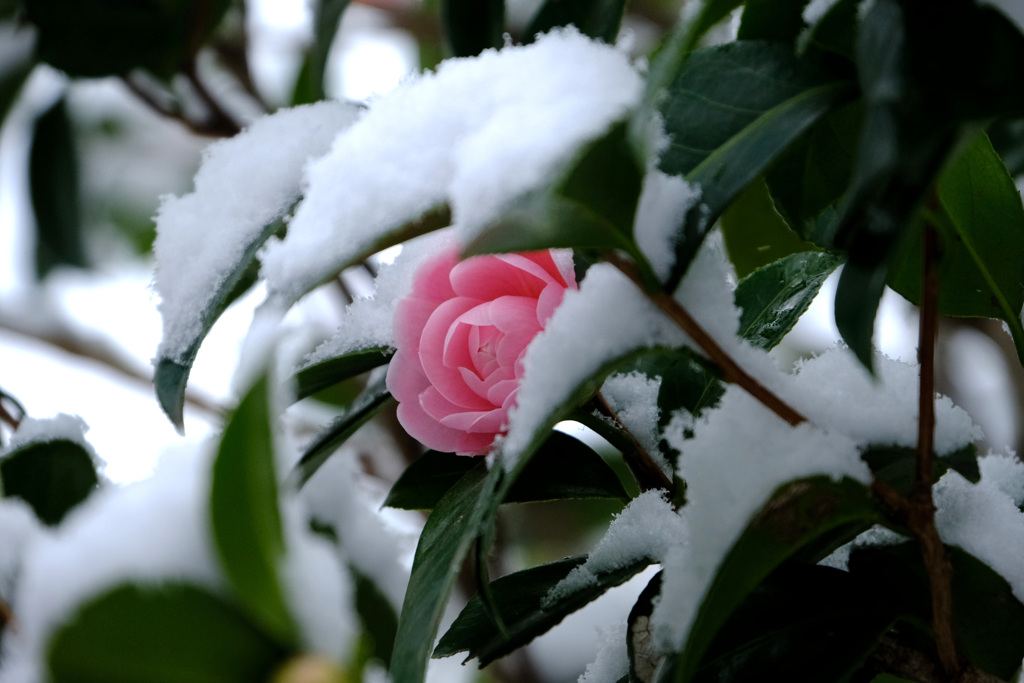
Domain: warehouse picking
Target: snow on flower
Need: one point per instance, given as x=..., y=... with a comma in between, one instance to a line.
x=461, y=337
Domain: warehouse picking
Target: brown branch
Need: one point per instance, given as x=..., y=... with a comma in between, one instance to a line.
x=219, y=120
x=646, y=472
x=922, y=510
x=730, y=369
x=9, y=419
x=97, y=350
x=166, y=105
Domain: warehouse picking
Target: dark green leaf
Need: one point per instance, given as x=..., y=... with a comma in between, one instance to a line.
x=807, y=181
x=325, y=373
x=310, y=83
x=17, y=59
x=835, y=31
x=563, y=468
x=779, y=20
x=378, y=616
x=590, y=207
x=51, y=476
x=923, y=99
x=112, y=37
x=171, y=376
x=804, y=623
x=245, y=517
x=772, y=298
x=755, y=234
x=522, y=601
x=988, y=619
x=1007, y=136
x=981, y=231
x=599, y=19
x=805, y=519
x=472, y=26
x=729, y=113
x=166, y=634
x=446, y=537
x=897, y=465
x=338, y=431
x=53, y=181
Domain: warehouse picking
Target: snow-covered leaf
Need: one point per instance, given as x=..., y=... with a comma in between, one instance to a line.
x=522, y=599
x=245, y=514
x=173, y=633
x=52, y=476
x=207, y=240
x=599, y=19
x=472, y=26
x=806, y=518
x=394, y=169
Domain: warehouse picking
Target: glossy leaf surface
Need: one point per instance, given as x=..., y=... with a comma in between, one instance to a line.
x=245, y=517
x=326, y=373
x=173, y=633
x=598, y=19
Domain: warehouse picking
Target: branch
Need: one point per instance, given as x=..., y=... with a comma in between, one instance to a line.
x=98, y=350
x=647, y=473
x=166, y=104
x=731, y=371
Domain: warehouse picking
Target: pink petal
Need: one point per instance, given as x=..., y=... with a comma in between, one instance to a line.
x=431, y=354
x=488, y=277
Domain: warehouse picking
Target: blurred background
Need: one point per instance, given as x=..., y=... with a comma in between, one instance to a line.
x=85, y=158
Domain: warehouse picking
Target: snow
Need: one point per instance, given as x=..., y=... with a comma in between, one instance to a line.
x=816, y=10
x=368, y=321
x=244, y=184
x=983, y=520
x=579, y=339
x=413, y=150
x=664, y=201
x=61, y=427
x=634, y=399
x=875, y=536
x=1005, y=472
x=612, y=661
x=154, y=532
x=739, y=455
x=646, y=528
x=18, y=527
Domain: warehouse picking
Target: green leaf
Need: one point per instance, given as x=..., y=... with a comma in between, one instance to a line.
x=564, y=468
x=472, y=26
x=337, y=432
x=811, y=623
x=51, y=476
x=834, y=31
x=171, y=375
x=755, y=234
x=599, y=19
x=172, y=633
x=1007, y=136
x=923, y=100
x=17, y=59
x=981, y=230
x=804, y=519
x=591, y=207
x=309, y=86
x=522, y=600
x=111, y=37
x=807, y=181
x=245, y=517
x=772, y=298
x=446, y=538
x=379, y=618
x=988, y=620
x=729, y=113
x=54, y=186
x=897, y=465
x=779, y=20
x=327, y=372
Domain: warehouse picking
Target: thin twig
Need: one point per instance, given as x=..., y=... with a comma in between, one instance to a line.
x=731, y=371
x=166, y=105
x=100, y=351
x=922, y=511
x=7, y=418
x=219, y=119
x=647, y=473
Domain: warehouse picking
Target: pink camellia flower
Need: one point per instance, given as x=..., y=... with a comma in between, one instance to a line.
x=461, y=336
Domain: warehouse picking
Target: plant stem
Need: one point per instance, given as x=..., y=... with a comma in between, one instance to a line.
x=648, y=474
x=731, y=371
x=922, y=508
